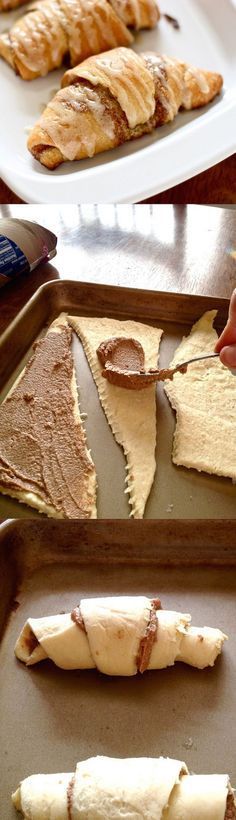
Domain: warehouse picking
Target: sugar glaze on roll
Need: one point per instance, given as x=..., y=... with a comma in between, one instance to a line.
x=51, y=32
x=115, y=97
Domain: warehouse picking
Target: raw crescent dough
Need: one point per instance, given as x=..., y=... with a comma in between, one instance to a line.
x=31, y=498
x=135, y=430
x=132, y=788
x=113, y=629
x=205, y=403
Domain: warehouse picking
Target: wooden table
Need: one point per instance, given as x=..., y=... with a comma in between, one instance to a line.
x=188, y=249
x=213, y=187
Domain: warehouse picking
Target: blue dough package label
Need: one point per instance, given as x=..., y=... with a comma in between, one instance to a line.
x=12, y=260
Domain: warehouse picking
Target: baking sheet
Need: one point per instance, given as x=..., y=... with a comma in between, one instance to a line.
x=194, y=142
x=50, y=718
x=177, y=492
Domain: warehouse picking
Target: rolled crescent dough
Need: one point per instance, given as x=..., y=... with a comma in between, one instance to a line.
x=109, y=633
x=104, y=788
x=131, y=418
x=204, y=399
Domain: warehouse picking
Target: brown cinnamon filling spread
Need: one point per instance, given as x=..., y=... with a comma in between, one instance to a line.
x=42, y=449
x=70, y=793
x=150, y=637
x=77, y=618
x=169, y=372
x=31, y=642
x=123, y=363
x=156, y=604
x=230, y=813
x=124, y=353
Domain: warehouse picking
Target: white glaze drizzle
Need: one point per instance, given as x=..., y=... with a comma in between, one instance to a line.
x=40, y=42
x=201, y=81
x=68, y=128
x=125, y=74
x=137, y=13
x=82, y=27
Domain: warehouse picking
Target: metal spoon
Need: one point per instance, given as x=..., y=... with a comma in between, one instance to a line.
x=182, y=367
x=138, y=379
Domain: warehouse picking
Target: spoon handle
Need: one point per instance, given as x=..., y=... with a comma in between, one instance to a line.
x=198, y=359
x=182, y=366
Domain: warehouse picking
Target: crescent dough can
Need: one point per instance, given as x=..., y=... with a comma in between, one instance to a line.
x=23, y=245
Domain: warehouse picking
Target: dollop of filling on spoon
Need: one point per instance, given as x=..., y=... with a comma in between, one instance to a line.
x=123, y=364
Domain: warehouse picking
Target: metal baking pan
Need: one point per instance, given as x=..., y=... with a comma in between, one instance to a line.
x=186, y=493
x=49, y=718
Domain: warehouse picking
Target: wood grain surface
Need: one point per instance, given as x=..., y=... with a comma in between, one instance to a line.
x=185, y=249
x=213, y=187
x=216, y=186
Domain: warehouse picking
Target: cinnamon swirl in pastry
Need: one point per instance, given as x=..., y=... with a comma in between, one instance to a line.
x=115, y=97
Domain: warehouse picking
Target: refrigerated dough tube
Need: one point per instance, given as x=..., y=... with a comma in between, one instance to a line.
x=148, y=788
x=118, y=636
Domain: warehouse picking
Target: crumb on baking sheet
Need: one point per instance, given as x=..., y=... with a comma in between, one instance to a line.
x=188, y=744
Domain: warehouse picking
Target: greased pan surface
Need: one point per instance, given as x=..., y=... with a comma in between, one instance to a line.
x=50, y=718
x=177, y=492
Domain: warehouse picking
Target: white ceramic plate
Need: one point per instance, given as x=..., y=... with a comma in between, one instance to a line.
x=172, y=154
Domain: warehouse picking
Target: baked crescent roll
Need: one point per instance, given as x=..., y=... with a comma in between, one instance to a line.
x=118, y=636
x=115, y=97
x=52, y=30
x=135, y=13
x=111, y=788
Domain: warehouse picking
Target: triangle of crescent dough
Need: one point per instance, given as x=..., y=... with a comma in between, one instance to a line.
x=131, y=414
x=88, y=501
x=205, y=402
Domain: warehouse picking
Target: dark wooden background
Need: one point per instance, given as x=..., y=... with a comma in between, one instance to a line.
x=185, y=249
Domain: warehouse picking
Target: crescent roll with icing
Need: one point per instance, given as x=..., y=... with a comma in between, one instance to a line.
x=51, y=32
x=115, y=97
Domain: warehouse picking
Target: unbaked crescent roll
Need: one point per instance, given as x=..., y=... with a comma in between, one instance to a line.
x=118, y=636
x=51, y=30
x=115, y=97
x=111, y=788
